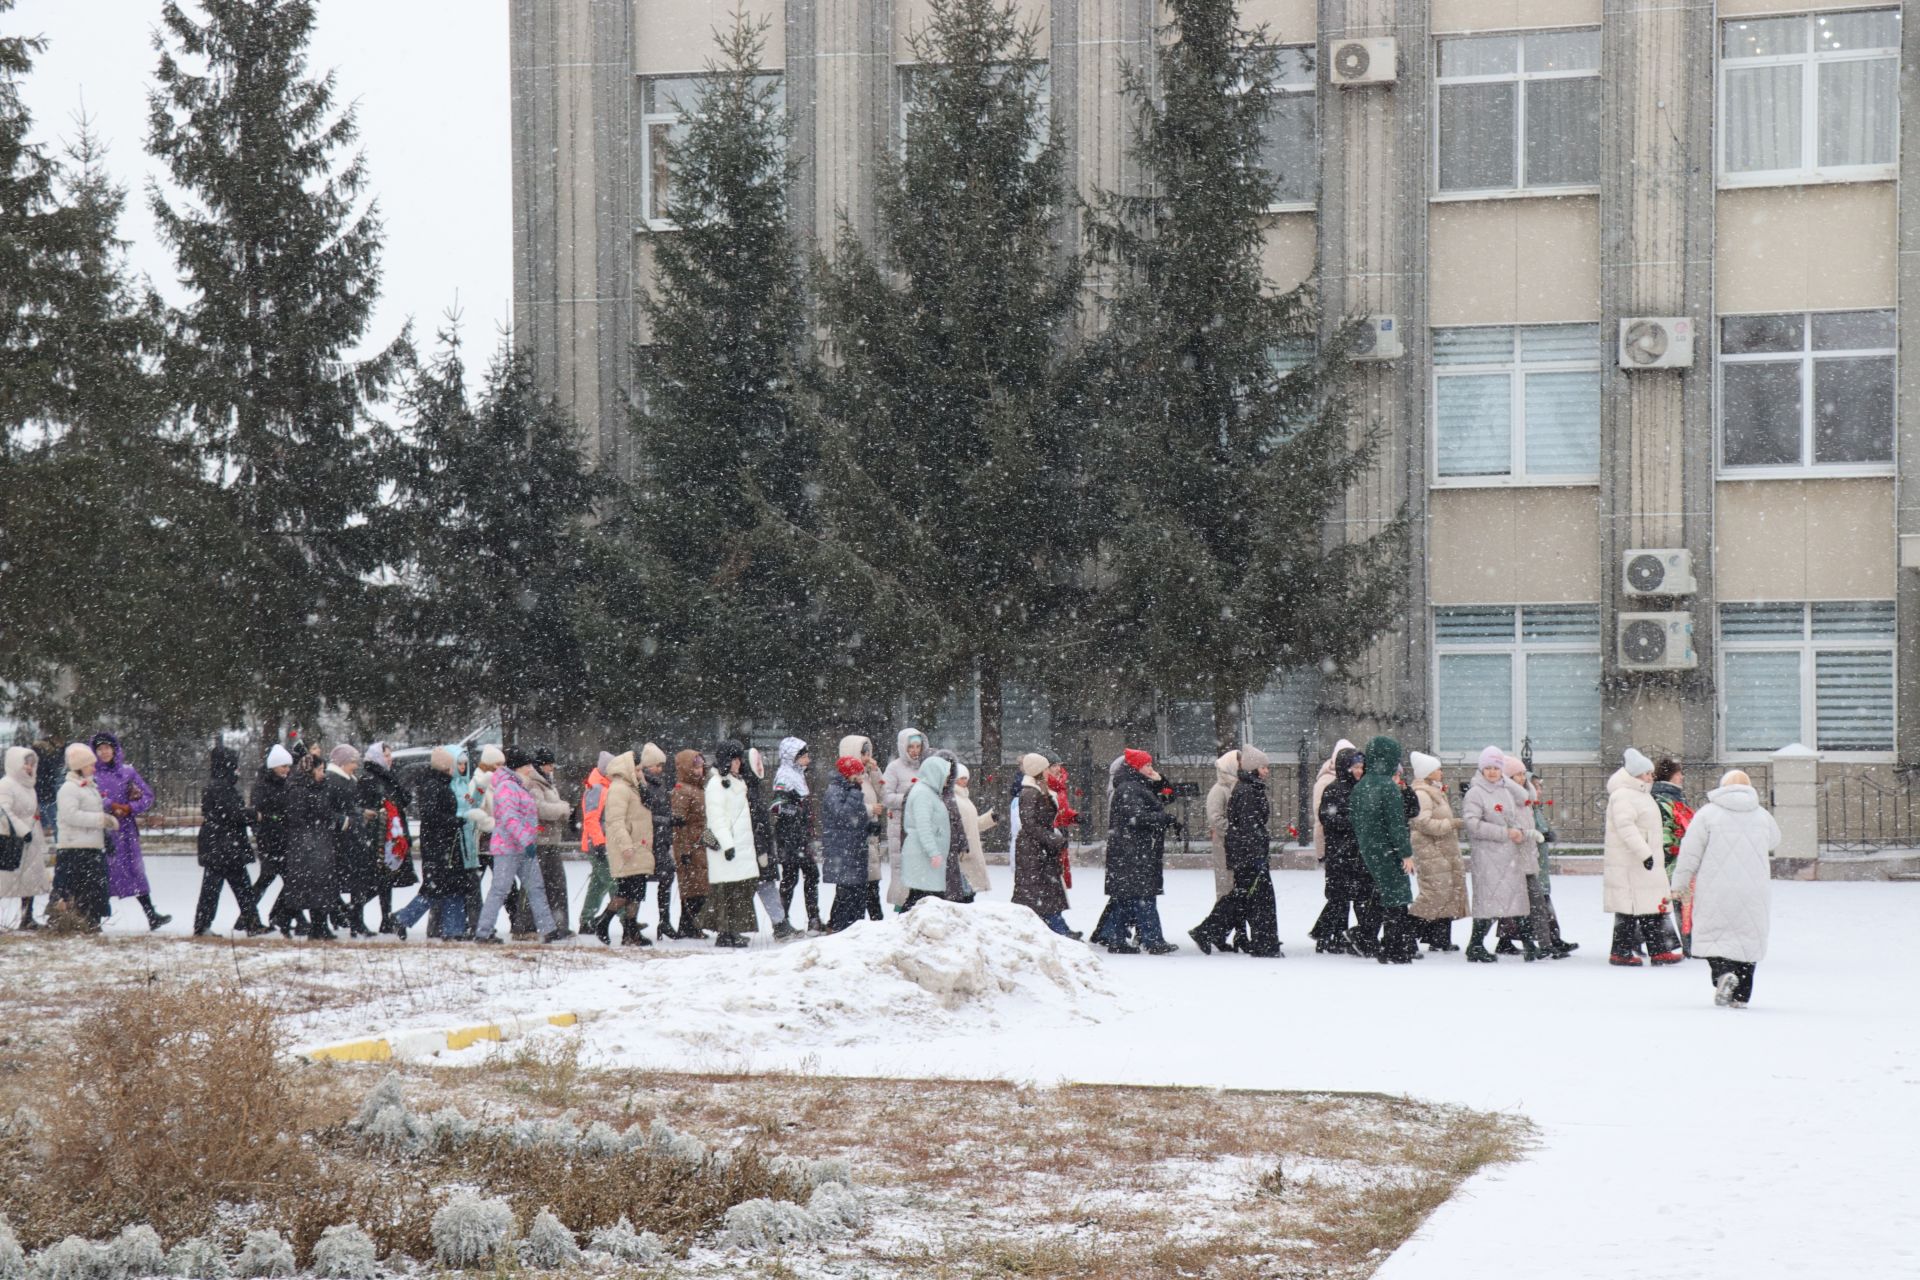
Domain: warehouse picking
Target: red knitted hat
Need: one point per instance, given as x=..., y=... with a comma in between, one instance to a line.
x=850, y=766
x=1138, y=760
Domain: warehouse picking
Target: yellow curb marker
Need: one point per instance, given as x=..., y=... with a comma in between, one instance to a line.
x=382, y=1050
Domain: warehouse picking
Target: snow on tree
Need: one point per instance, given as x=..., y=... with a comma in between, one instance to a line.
x=471, y=1232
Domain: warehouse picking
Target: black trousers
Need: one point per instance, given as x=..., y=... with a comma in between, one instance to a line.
x=1248, y=906
x=791, y=875
x=1741, y=969
x=876, y=902
x=1631, y=932
x=1370, y=917
x=849, y=905
x=920, y=895
x=211, y=882
x=1397, y=938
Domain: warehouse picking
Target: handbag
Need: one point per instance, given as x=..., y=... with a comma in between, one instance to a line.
x=13, y=847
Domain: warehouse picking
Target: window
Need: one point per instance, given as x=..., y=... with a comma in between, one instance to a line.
x=1289, y=135
x=1504, y=674
x=666, y=104
x=1280, y=715
x=911, y=76
x=1811, y=96
x=1187, y=732
x=1819, y=674
x=1026, y=723
x=1516, y=404
x=1805, y=391
x=1518, y=112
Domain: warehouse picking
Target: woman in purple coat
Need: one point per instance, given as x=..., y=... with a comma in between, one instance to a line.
x=126, y=795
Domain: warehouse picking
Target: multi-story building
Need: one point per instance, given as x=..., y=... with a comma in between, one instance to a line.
x=1639, y=266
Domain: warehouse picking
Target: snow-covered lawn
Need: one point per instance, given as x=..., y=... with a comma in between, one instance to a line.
x=1678, y=1140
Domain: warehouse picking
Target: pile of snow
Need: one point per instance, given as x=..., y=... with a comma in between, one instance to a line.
x=938, y=968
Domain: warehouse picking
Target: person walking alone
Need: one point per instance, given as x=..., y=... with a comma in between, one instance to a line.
x=1725, y=867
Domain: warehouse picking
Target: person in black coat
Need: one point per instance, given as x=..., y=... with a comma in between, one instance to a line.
x=357, y=871
x=760, y=810
x=392, y=848
x=845, y=827
x=1137, y=823
x=311, y=897
x=273, y=831
x=225, y=853
x=445, y=879
x=1250, y=904
x=656, y=788
x=1348, y=884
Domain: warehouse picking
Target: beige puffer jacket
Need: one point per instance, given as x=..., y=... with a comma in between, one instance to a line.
x=1226, y=773
x=1436, y=857
x=627, y=821
x=1636, y=872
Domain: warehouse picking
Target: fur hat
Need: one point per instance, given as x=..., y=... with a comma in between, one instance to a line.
x=343, y=755
x=650, y=755
x=442, y=759
x=278, y=757
x=79, y=756
x=1422, y=765
x=517, y=757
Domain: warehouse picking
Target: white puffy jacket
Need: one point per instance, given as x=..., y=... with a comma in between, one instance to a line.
x=1726, y=856
x=731, y=822
x=1634, y=839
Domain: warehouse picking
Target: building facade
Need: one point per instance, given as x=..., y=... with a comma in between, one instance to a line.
x=1545, y=202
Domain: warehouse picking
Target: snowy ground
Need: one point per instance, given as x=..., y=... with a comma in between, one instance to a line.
x=1679, y=1140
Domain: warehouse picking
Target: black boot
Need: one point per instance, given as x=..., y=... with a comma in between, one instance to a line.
x=1477, y=948
x=154, y=918
x=632, y=932
x=26, y=915
x=603, y=925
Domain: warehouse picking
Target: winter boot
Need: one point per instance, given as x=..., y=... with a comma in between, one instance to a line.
x=1122, y=949
x=27, y=921
x=558, y=935
x=632, y=932
x=154, y=918
x=1477, y=951
x=782, y=931
x=602, y=928
x=1626, y=960
x=1667, y=957
x=1206, y=942
x=1505, y=947
x=1724, y=987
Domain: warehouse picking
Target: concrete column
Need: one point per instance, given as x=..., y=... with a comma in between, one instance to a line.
x=1796, y=801
x=802, y=78
x=1372, y=250
x=1906, y=450
x=1656, y=427
x=853, y=94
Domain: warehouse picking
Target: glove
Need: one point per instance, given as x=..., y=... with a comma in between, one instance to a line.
x=727, y=854
x=1539, y=837
x=1065, y=818
x=1647, y=863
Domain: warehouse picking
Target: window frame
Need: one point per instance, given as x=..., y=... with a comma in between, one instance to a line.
x=903, y=73
x=1309, y=89
x=1807, y=359
x=1810, y=60
x=1516, y=370
x=1808, y=647
x=648, y=119
x=1517, y=649
x=1520, y=78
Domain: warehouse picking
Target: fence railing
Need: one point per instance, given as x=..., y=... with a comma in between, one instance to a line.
x=1862, y=813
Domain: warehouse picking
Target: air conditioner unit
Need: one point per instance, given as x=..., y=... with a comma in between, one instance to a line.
x=1657, y=642
x=1656, y=342
x=1379, y=339
x=1353, y=62
x=1659, y=571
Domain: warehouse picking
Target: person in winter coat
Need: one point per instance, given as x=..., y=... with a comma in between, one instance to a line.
x=902, y=772
x=1379, y=816
x=1725, y=867
x=444, y=875
x=1635, y=877
x=46, y=782
x=388, y=832
x=656, y=787
x=689, y=821
x=1541, y=924
x=80, y=883
x=224, y=850
x=849, y=821
x=126, y=796
x=1038, y=884
x=1249, y=906
x=551, y=843
x=1669, y=792
x=20, y=809
x=733, y=864
x=1137, y=823
x=1226, y=774
x=926, y=833
x=1347, y=882
x=357, y=865
x=273, y=830
x=627, y=823
x=874, y=783
x=516, y=827
x=793, y=831
x=973, y=863
x=1500, y=838
x=956, y=890
x=593, y=841
x=312, y=889
x=766, y=856
x=1437, y=864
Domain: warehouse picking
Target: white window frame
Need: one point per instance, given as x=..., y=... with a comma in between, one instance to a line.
x=1516, y=370
x=663, y=114
x=1810, y=61
x=1521, y=189
x=903, y=73
x=1806, y=359
x=1310, y=89
x=1517, y=649
x=1807, y=647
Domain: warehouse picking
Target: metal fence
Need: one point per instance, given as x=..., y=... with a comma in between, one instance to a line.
x=1864, y=813
x=1576, y=796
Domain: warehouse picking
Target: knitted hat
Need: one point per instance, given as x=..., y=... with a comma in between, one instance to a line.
x=442, y=759
x=1033, y=764
x=79, y=756
x=492, y=756
x=1513, y=766
x=961, y=772
x=279, y=757
x=1253, y=759
x=1493, y=758
x=1137, y=760
x=850, y=766
x=543, y=756
x=1636, y=762
x=651, y=755
x=517, y=757
x=1422, y=765
x=344, y=755
x=605, y=758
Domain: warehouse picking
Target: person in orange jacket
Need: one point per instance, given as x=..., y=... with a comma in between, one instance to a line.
x=593, y=841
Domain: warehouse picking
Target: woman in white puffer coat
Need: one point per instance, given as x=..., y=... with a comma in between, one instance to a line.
x=1635, y=865
x=1726, y=866
x=34, y=876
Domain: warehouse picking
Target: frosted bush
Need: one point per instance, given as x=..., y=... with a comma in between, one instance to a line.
x=838, y=1205
x=600, y=1139
x=197, y=1259
x=622, y=1242
x=766, y=1224
x=675, y=1145
x=136, y=1252
x=470, y=1232
x=13, y=1259
x=526, y=1133
x=390, y=1129
x=345, y=1253
x=549, y=1245
x=561, y=1133
x=448, y=1126
x=833, y=1169
x=388, y=1093
x=265, y=1253
x=71, y=1259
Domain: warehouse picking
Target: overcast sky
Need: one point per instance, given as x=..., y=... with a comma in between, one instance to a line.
x=430, y=78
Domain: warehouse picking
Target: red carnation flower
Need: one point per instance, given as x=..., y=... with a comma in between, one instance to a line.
x=1499, y=808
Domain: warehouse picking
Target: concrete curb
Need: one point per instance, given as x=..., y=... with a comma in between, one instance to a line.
x=411, y=1046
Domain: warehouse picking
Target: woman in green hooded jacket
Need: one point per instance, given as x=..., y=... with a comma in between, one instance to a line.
x=1380, y=825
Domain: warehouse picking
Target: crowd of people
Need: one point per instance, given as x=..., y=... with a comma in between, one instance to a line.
x=489, y=828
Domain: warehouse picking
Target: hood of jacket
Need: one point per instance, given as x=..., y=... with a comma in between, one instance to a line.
x=1738, y=797
x=1226, y=770
x=790, y=775
x=1624, y=781
x=689, y=767
x=623, y=767
x=224, y=764
x=900, y=743
x=934, y=772
x=851, y=747
x=1383, y=757
x=119, y=756
x=20, y=762
x=651, y=756
x=1328, y=767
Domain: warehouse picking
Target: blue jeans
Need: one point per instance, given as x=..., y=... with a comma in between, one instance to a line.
x=508, y=867
x=50, y=820
x=1140, y=914
x=1056, y=922
x=453, y=913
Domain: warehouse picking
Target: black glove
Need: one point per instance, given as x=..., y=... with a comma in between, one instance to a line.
x=728, y=855
x=1647, y=863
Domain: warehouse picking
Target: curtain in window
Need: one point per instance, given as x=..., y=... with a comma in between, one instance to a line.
x=1474, y=701
x=1473, y=422
x=1859, y=111
x=1762, y=119
x=1853, y=700
x=1563, y=132
x=1563, y=701
x=1563, y=424
x=1281, y=713
x=1476, y=136
x=1289, y=149
x=1761, y=698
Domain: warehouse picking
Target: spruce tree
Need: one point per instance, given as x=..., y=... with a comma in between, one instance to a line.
x=1217, y=470
x=948, y=465
x=38, y=235
x=279, y=250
